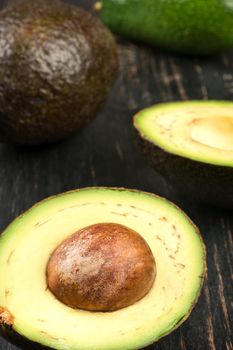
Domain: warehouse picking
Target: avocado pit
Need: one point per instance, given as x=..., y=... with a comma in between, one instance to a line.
x=102, y=267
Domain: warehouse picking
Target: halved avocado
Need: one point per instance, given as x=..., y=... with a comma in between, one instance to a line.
x=28, y=308
x=191, y=145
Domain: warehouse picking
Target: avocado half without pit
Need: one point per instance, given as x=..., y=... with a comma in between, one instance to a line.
x=57, y=66
x=191, y=145
x=98, y=268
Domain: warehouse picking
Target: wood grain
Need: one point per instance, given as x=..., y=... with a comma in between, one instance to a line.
x=105, y=153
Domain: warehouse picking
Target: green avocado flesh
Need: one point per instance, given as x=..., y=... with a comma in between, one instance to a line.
x=29, y=241
x=198, y=130
x=190, y=27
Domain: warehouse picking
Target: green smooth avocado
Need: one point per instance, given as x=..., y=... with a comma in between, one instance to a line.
x=191, y=27
x=191, y=145
x=98, y=269
x=57, y=66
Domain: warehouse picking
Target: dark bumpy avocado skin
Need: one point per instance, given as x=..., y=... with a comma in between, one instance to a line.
x=190, y=27
x=57, y=65
x=204, y=182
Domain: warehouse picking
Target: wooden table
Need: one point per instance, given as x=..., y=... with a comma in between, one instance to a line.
x=105, y=154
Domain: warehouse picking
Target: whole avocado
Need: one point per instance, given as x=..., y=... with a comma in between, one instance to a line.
x=57, y=65
x=191, y=27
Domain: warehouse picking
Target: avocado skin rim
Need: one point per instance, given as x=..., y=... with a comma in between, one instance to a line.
x=19, y=340
x=13, y=337
x=207, y=183
x=26, y=344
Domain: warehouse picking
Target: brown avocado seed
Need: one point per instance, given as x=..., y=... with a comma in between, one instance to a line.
x=103, y=267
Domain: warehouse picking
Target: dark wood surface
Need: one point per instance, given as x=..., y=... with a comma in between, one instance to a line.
x=105, y=153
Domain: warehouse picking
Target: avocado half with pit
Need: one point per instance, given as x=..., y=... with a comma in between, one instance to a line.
x=98, y=268
x=191, y=145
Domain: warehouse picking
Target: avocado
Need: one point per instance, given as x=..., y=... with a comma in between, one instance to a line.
x=103, y=269
x=189, y=27
x=191, y=145
x=57, y=65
